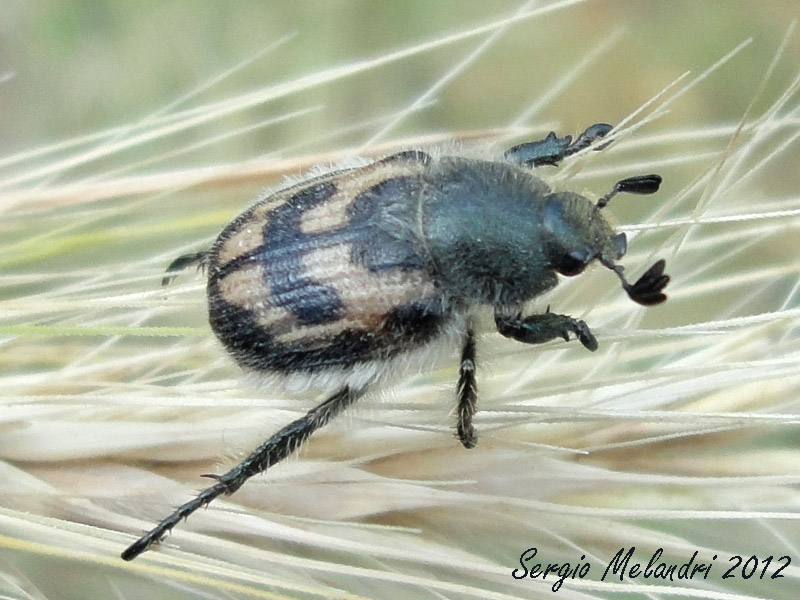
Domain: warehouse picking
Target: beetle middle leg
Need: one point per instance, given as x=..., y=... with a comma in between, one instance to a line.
x=467, y=392
x=537, y=329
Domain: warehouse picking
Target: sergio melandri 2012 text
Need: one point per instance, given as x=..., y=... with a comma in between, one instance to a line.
x=625, y=566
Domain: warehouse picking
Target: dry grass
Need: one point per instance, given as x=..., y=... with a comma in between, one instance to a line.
x=681, y=432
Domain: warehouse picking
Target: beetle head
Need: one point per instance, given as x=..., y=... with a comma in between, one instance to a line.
x=577, y=234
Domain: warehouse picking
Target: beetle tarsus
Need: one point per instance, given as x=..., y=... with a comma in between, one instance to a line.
x=537, y=329
x=553, y=149
x=182, y=262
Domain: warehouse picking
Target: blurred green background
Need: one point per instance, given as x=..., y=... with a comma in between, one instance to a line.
x=79, y=66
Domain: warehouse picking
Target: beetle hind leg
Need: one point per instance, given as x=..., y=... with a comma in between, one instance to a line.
x=273, y=450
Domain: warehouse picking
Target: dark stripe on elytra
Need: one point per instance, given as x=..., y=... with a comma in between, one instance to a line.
x=376, y=245
x=311, y=302
x=255, y=348
x=387, y=247
x=383, y=248
x=416, y=323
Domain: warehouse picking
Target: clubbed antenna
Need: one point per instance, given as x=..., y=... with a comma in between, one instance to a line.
x=647, y=289
x=641, y=184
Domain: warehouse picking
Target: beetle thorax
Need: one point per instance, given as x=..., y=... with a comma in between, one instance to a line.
x=482, y=228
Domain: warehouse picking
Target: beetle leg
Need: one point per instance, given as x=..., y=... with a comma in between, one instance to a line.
x=553, y=149
x=537, y=329
x=184, y=261
x=275, y=449
x=467, y=392
x=589, y=137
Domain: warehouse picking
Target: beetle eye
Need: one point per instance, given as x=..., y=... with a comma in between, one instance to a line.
x=571, y=264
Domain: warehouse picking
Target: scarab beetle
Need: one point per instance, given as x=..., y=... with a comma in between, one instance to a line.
x=334, y=279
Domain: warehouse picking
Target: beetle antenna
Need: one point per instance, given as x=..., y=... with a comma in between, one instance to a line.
x=641, y=184
x=647, y=289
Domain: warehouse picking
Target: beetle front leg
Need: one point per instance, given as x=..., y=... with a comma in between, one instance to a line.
x=537, y=329
x=553, y=149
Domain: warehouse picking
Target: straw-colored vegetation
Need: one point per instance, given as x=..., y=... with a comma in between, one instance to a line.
x=134, y=135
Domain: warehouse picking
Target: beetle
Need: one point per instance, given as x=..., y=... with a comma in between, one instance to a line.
x=335, y=279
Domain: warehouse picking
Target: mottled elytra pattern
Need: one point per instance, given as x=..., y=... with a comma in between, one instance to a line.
x=284, y=249
x=325, y=274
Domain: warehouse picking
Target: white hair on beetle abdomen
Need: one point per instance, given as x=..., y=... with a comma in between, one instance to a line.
x=438, y=351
